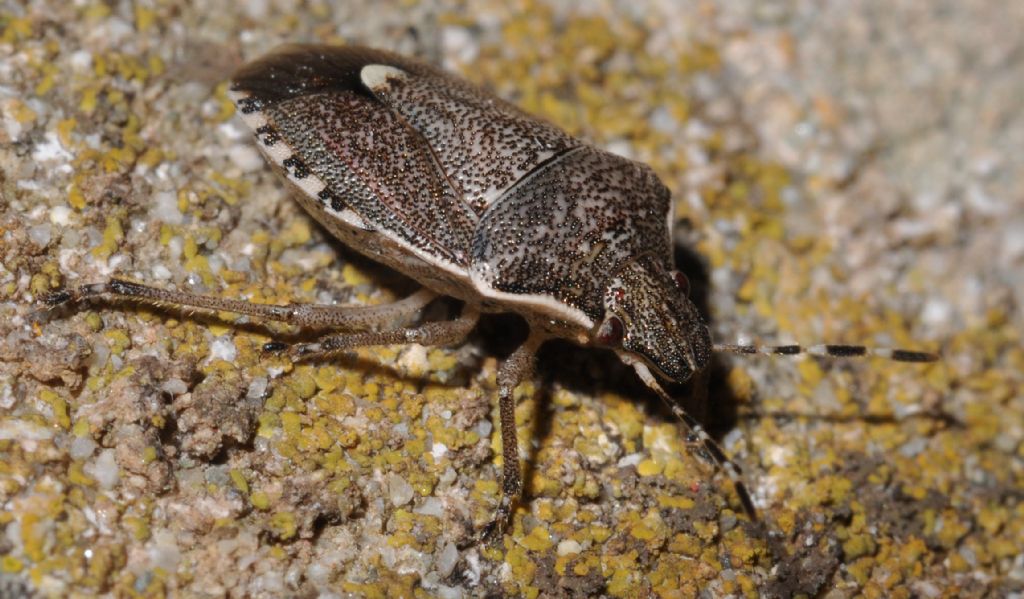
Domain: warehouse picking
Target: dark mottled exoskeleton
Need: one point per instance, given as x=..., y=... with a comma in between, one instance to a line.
x=476, y=200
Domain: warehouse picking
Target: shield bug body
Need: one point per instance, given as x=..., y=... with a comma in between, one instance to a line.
x=476, y=200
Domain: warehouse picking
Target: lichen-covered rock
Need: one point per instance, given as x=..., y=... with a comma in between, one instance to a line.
x=217, y=411
x=874, y=199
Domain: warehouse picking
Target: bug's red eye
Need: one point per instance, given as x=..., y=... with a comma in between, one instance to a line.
x=619, y=294
x=610, y=333
x=682, y=283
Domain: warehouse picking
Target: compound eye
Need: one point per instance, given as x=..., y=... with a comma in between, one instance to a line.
x=611, y=332
x=682, y=282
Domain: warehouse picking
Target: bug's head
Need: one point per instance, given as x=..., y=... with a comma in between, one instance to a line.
x=650, y=320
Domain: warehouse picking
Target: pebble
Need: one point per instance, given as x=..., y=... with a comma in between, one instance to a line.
x=430, y=506
x=257, y=388
x=104, y=469
x=569, y=547
x=174, y=386
x=223, y=348
x=245, y=157
x=82, y=448
x=60, y=216
x=40, y=235
x=399, y=490
x=447, y=559
x=165, y=208
x=164, y=552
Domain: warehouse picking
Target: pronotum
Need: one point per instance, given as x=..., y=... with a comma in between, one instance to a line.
x=478, y=201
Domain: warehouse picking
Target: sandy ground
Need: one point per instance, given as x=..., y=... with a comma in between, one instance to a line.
x=848, y=172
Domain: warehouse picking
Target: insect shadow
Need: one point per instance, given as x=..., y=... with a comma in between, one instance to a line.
x=588, y=372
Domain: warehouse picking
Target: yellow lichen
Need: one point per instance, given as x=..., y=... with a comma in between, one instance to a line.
x=144, y=18
x=112, y=236
x=11, y=564
x=539, y=539
x=283, y=525
x=260, y=500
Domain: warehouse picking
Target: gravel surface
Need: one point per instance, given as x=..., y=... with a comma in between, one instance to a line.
x=846, y=172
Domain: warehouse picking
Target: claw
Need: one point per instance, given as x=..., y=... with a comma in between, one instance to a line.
x=495, y=529
x=50, y=302
x=57, y=298
x=275, y=347
x=488, y=534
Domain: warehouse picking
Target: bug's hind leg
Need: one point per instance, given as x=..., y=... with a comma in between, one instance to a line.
x=517, y=368
x=445, y=332
x=313, y=316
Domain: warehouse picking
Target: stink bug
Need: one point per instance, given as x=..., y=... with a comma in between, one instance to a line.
x=475, y=200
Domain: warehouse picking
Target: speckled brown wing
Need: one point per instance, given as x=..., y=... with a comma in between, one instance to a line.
x=484, y=145
x=566, y=229
x=361, y=161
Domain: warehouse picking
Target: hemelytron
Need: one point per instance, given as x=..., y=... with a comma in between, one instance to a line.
x=476, y=200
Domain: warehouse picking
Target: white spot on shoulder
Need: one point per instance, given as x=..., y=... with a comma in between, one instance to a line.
x=376, y=76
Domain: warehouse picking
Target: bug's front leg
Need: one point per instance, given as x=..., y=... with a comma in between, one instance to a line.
x=517, y=368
